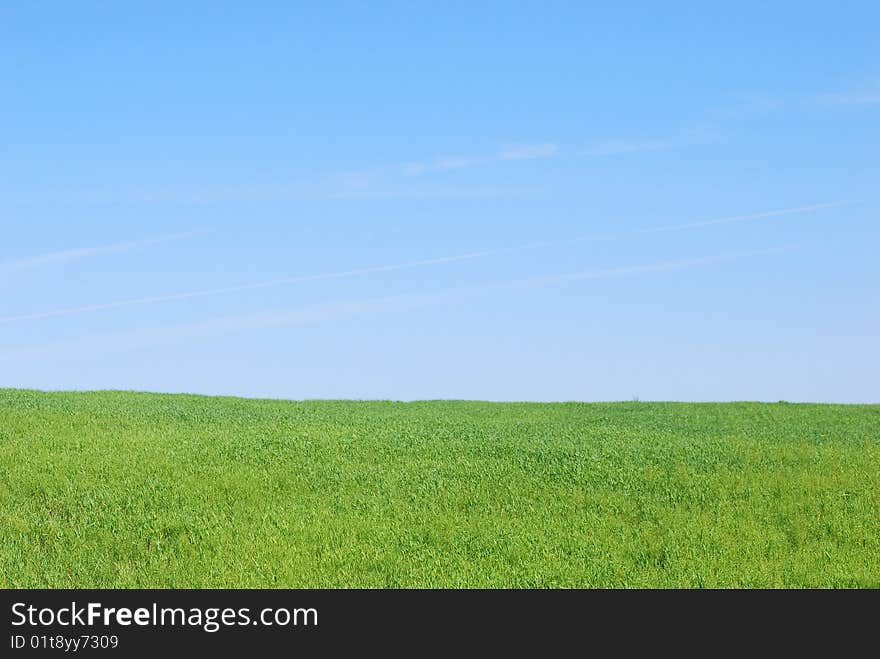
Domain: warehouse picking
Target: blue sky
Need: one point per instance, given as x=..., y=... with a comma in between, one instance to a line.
x=508, y=201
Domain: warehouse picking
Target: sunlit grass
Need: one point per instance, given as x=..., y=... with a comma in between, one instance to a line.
x=136, y=490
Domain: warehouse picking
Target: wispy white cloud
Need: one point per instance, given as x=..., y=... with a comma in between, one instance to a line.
x=855, y=97
x=140, y=338
x=454, y=162
x=369, y=187
x=528, y=151
x=619, y=147
x=383, y=182
x=391, y=181
x=442, y=164
x=413, y=168
x=507, y=153
x=749, y=105
x=744, y=106
x=68, y=255
x=358, y=272
x=339, y=185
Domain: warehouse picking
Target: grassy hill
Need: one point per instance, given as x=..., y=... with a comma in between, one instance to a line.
x=141, y=490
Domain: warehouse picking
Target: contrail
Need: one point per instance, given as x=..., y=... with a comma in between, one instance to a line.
x=66, y=255
x=143, y=337
x=680, y=227
x=749, y=218
x=243, y=287
x=641, y=269
x=403, y=266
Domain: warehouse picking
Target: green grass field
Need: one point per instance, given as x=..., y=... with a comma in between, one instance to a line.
x=127, y=490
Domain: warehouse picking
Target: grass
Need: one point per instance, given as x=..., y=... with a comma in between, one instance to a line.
x=124, y=490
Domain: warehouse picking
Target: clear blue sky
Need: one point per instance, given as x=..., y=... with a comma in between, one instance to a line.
x=176, y=179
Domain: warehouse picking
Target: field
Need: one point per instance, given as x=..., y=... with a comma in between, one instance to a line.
x=126, y=490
